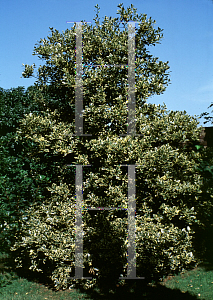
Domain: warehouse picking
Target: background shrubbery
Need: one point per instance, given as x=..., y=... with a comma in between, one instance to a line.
x=23, y=178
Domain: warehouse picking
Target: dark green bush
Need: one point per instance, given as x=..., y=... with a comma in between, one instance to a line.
x=22, y=178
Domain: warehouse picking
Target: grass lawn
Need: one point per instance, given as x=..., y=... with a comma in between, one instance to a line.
x=198, y=282
x=194, y=284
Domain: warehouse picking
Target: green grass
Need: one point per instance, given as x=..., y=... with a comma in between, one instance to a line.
x=198, y=282
x=193, y=284
x=23, y=289
x=15, y=287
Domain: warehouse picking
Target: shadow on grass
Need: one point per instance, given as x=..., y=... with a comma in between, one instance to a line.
x=9, y=272
x=206, y=237
x=138, y=290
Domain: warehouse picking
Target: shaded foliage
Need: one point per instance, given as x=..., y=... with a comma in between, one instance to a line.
x=22, y=178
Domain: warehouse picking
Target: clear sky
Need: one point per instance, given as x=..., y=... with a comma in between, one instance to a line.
x=187, y=42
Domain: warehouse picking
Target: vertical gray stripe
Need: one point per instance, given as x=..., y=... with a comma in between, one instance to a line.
x=79, y=82
x=131, y=79
x=78, y=224
x=131, y=270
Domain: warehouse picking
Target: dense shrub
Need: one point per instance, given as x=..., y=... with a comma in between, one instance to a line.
x=169, y=184
x=168, y=200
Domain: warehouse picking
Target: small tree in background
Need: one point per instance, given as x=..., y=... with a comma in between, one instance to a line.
x=16, y=186
x=22, y=179
x=207, y=117
x=169, y=194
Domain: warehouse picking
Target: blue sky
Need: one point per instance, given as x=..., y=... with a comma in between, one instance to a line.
x=187, y=42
